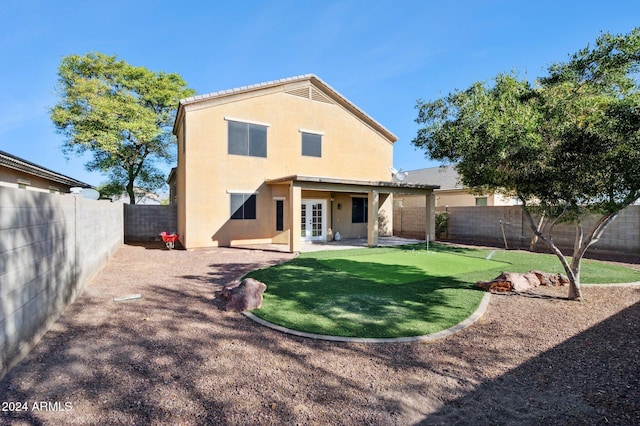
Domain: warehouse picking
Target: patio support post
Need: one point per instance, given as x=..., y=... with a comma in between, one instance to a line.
x=430, y=231
x=373, y=206
x=295, y=200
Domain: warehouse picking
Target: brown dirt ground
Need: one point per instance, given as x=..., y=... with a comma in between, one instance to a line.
x=174, y=357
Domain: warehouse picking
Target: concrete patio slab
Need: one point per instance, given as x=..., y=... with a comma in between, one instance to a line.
x=344, y=244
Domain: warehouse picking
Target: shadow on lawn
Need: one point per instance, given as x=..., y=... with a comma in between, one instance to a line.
x=363, y=299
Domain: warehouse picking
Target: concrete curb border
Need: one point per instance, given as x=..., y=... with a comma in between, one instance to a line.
x=484, y=303
x=633, y=284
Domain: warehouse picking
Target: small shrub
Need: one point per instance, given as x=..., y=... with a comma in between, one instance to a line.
x=441, y=224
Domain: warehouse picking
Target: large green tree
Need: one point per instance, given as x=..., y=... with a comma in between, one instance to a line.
x=120, y=114
x=568, y=146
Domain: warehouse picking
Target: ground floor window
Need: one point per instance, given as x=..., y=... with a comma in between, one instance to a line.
x=243, y=206
x=481, y=201
x=279, y=215
x=359, y=210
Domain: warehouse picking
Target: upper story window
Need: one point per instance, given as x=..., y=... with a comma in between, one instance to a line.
x=311, y=144
x=247, y=139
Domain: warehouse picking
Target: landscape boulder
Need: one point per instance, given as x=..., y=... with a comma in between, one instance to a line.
x=243, y=296
x=516, y=281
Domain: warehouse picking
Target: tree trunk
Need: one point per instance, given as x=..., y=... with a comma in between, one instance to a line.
x=575, y=292
x=534, y=238
x=132, y=195
x=574, y=280
x=580, y=246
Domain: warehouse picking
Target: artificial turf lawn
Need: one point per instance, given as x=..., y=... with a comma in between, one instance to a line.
x=396, y=291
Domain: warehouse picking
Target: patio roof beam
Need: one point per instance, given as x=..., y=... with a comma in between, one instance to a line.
x=349, y=185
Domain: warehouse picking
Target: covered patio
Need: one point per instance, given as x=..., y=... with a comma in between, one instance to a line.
x=303, y=189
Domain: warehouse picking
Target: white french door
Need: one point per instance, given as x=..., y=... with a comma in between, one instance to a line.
x=313, y=220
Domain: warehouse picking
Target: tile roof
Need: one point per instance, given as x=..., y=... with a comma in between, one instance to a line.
x=317, y=81
x=17, y=163
x=242, y=89
x=444, y=176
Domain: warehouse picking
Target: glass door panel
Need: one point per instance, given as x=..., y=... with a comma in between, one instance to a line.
x=313, y=220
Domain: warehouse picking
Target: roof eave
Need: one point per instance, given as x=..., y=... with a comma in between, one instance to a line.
x=25, y=166
x=334, y=94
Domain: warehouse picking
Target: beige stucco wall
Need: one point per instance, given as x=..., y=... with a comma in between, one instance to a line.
x=351, y=149
x=454, y=198
x=16, y=179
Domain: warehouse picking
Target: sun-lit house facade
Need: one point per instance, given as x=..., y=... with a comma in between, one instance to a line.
x=282, y=162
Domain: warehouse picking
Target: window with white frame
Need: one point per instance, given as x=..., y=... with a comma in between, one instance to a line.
x=248, y=139
x=279, y=215
x=243, y=206
x=311, y=144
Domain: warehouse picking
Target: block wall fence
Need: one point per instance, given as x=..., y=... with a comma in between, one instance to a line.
x=491, y=226
x=146, y=222
x=51, y=245
x=410, y=222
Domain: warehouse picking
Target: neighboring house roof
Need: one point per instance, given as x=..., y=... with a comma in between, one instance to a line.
x=22, y=165
x=325, y=93
x=444, y=176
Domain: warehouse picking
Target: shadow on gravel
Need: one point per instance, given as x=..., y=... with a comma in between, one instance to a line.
x=171, y=357
x=604, y=386
x=155, y=245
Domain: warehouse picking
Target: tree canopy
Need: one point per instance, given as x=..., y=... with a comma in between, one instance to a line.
x=122, y=115
x=566, y=146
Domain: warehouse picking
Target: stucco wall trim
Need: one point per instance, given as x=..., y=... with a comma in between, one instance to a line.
x=241, y=191
x=313, y=132
x=243, y=120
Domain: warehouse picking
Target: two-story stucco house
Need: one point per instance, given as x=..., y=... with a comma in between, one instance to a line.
x=282, y=162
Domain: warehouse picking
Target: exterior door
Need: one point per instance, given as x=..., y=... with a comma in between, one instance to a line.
x=313, y=220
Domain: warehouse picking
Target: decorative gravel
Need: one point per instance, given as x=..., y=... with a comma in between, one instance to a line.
x=174, y=357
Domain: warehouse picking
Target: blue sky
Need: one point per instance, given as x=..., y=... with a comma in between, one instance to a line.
x=381, y=55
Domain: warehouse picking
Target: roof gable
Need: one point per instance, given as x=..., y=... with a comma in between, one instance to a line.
x=316, y=90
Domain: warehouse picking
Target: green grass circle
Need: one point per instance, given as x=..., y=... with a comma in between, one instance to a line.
x=395, y=291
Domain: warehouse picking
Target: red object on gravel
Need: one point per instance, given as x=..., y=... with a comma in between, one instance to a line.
x=169, y=239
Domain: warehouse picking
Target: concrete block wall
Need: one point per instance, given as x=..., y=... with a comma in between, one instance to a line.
x=145, y=222
x=409, y=222
x=99, y=234
x=485, y=225
x=50, y=246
